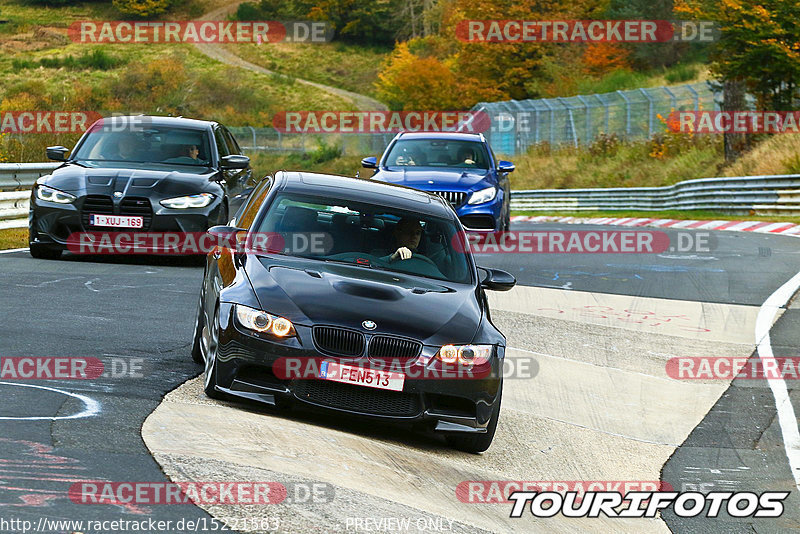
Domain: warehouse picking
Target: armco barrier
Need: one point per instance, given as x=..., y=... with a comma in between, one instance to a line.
x=777, y=194
x=15, y=176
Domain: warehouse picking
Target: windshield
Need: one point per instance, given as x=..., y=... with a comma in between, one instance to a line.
x=154, y=144
x=366, y=235
x=438, y=153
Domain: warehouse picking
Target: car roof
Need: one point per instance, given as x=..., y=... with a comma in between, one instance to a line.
x=363, y=190
x=164, y=121
x=460, y=136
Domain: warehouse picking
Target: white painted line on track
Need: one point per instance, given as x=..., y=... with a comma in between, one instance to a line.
x=9, y=251
x=91, y=406
x=783, y=404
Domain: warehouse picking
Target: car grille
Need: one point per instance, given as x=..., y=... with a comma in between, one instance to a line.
x=139, y=207
x=338, y=341
x=393, y=347
x=99, y=204
x=456, y=198
x=358, y=398
x=103, y=205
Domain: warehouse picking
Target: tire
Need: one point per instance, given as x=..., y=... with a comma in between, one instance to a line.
x=43, y=252
x=507, y=220
x=475, y=443
x=197, y=340
x=210, y=379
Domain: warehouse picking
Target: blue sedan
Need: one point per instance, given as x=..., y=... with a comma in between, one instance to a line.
x=461, y=167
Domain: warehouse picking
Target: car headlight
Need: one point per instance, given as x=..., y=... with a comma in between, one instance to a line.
x=260, y=321
x=484, y=195
x=49, y=194
x=192, y=201
x=467, y=355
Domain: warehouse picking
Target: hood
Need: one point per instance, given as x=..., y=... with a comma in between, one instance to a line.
x=313, y=293
x=132, y=180
x=420, y=178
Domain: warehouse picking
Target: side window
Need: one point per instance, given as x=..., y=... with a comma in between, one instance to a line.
x=222, y=147
x=253, y=204
x=233, y=146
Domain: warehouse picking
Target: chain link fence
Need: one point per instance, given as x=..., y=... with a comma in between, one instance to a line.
x=578, y=120
x=253, y=139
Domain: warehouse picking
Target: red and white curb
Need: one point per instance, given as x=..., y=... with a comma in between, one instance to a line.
x=760, y=227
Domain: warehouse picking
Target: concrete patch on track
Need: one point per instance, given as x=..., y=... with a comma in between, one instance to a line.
x=600, y=408
x=705, y=321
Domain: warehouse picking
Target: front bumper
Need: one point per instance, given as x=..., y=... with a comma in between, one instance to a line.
x=245, y=365
x=52, y=224
x=486, y=217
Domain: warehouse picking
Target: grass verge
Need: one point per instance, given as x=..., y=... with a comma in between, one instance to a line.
x=13, y=238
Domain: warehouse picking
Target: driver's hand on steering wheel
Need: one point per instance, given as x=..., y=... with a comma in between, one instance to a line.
x=402, y=253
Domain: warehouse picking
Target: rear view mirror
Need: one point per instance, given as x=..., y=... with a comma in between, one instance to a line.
x=234, y=161
x=497, y=280
x=505, y=166
x=57, y=153
x=228, y=236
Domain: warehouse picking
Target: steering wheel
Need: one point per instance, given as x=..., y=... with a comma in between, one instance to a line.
x=417, y=256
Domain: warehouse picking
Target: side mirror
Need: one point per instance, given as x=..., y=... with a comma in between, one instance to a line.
x=234, y=161
x=57, y=153
x=370, y=162
x=505, y=166
x=497, y=280
x=228, y=236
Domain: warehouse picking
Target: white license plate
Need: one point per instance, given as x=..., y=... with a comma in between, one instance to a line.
x=116, y=221
x=372, y=378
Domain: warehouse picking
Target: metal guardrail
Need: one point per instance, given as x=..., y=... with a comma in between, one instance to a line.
x=16, y=180
x=22, y=175
x=776, y=194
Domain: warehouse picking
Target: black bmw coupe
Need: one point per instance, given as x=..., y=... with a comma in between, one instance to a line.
x=139, y=174
x=354, y=296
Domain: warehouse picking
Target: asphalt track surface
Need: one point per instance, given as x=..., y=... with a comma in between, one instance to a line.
x=601, y=407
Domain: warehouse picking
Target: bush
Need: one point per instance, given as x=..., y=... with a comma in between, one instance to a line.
x=605, y=145
x=143, y=8
x=681, y=73
x=97, y=59
x=324, y=153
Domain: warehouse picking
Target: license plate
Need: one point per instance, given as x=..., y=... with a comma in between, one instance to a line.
x=372, y=378
x=116, y=221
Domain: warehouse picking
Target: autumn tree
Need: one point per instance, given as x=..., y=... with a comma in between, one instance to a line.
x=759, y=46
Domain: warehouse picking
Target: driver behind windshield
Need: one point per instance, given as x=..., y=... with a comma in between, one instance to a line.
x=407, y=234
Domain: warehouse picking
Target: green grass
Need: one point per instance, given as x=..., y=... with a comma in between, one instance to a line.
x=346, y=66
x=13, y=238
x=270, y=162
x=630, y=165
x=623, y=80
x=668, y=214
